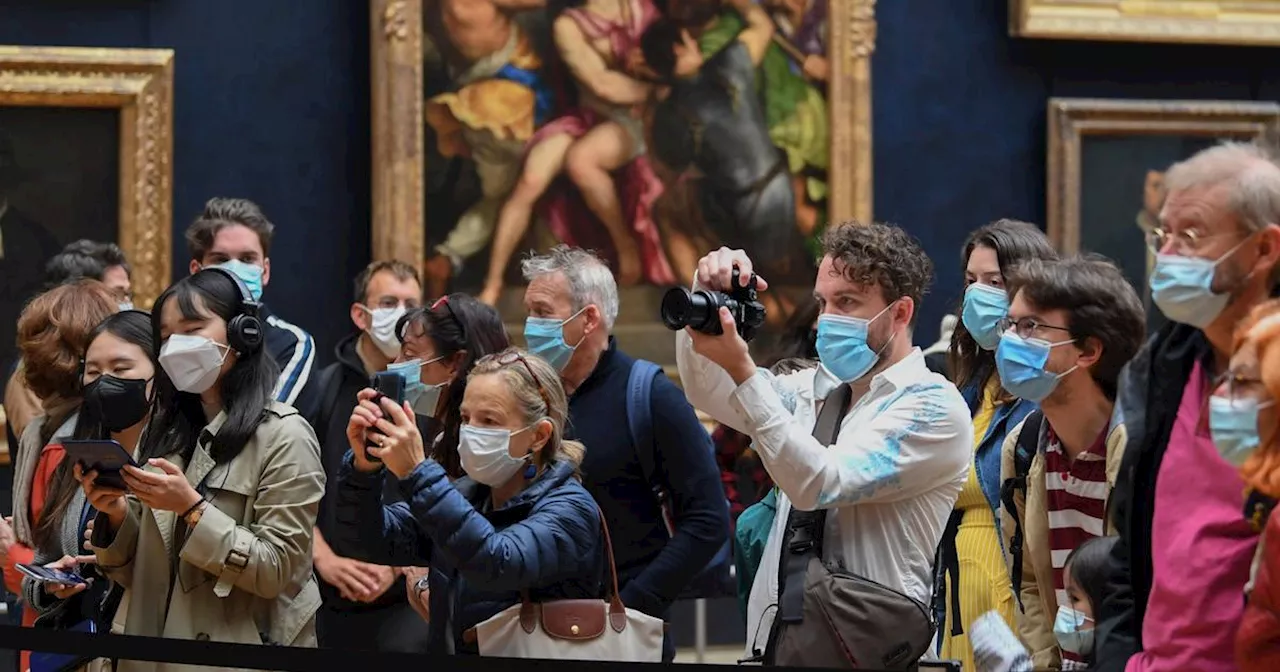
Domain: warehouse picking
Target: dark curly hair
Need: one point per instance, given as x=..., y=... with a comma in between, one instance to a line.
x=218, y=214
x=1100, y=305
x=882, y=255
x=1014, y=242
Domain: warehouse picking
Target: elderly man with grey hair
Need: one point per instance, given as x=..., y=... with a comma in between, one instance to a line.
x=572, y=301
x=1185, y=548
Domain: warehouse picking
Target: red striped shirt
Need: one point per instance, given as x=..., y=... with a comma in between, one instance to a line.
x=1076, y=493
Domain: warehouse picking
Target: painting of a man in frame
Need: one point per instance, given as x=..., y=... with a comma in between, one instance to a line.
x=554, y=118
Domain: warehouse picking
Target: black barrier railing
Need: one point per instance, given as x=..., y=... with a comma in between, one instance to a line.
x=256, y=657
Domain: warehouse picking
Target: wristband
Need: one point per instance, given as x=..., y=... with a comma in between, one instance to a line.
x=195, y=506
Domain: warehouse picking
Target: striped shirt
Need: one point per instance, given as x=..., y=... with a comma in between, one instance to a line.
x=1076, y=494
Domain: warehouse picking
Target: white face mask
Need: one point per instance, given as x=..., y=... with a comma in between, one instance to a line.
x=125, y=305
x=428, y=399
x=382, y=329
x=486, y=456
x=192, y=362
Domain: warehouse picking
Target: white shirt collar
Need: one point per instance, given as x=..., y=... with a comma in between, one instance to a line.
x=907, y=371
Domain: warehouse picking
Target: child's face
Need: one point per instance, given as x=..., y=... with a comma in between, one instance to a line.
x=1079, y=601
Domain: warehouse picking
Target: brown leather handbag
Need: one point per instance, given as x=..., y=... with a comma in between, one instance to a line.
x=573, y=629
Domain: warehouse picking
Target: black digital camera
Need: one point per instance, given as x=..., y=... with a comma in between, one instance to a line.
x=701, y=309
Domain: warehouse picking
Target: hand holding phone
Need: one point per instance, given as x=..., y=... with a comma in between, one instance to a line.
x=62, y=578
x=106, y=457
x=388, y=385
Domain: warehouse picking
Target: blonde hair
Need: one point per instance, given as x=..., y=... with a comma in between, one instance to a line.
x=1261, y=471
x=538, y=394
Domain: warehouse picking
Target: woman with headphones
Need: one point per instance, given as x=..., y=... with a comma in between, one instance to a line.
x=215, y=543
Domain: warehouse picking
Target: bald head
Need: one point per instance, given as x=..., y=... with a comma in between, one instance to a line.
x=1244, y=175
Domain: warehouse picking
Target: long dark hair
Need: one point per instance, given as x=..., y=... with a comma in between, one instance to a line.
x=177, y=417
x=1014, y=242
x=456, y=323
x=131, y=326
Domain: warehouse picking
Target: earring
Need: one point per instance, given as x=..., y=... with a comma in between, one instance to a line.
x=530, y=470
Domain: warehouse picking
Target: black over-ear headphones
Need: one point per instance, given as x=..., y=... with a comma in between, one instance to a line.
x=244, y=331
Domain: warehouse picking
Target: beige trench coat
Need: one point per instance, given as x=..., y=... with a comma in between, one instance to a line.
x=244, y=572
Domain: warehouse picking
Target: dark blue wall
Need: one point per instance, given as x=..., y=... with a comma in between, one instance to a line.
x=272, y=104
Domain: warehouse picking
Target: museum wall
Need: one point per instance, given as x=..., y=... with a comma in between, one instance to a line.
x=272, y=104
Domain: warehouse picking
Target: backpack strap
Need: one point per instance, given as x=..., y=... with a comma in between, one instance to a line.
x=330, y=382
x=1023, y=454
x=640, y=424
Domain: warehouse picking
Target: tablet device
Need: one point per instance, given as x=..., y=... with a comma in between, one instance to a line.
x=105, y=455
x=46, y=575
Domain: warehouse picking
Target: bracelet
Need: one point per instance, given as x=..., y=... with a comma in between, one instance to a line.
x=195, y=506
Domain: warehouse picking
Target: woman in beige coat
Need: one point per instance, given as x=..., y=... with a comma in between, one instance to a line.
x=229, y=487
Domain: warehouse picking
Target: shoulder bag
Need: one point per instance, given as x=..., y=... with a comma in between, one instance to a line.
x=829, y=616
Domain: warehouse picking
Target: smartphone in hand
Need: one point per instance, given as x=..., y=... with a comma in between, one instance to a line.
x=107, y=457
x=47, y=575
x=388, y=385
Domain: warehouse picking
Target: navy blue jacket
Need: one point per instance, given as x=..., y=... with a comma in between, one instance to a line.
x=545, y=540
x=653, y=567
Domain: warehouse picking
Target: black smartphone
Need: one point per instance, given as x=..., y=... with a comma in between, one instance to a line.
x=108, y=457
x=388, y=385
x=46, y=575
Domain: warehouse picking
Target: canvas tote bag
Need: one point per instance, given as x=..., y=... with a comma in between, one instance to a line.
x=573, y=629
x=829, y=617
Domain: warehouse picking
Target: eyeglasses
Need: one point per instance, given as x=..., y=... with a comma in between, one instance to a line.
x=1025, y=327
x=511, y=357
x=1182, y=242
x=1240, y=385
x=444, y=301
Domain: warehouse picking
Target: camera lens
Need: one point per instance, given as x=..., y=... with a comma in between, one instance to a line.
x=682, y=308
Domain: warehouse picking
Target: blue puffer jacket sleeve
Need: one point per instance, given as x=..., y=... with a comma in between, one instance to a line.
x=557, y=539
x=366, y=530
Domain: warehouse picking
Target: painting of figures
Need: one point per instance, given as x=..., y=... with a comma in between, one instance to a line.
x=647, y=130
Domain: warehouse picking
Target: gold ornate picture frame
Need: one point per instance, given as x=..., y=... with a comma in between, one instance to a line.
x=398, y=189
x=1106, y=163
x=138, y=84
x=1239, y=22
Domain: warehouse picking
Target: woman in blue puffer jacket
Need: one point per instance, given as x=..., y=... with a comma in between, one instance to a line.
x=520, y=520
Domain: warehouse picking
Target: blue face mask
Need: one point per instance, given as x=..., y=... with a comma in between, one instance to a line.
x=1020, y=363
x=249, y=274
x=411, y=371
x=1234, y=427
x=1183, y=288
x=1066, y=628
x=984, y=307
x=544, y=337
x=842, y=345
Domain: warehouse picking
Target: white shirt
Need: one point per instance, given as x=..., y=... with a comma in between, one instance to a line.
x=890, y=480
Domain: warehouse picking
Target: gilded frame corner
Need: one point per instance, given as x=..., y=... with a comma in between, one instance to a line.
x=397, y=113
x=138, y=83
x=1221, y=22
x=1071, y=119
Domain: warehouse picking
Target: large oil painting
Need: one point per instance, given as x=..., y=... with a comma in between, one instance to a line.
x=1107, y=160
x=648, y=130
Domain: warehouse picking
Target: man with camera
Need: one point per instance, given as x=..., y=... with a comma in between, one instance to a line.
x=877, y=441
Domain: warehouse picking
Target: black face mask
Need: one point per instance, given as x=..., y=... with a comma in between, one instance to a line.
x=117, y=403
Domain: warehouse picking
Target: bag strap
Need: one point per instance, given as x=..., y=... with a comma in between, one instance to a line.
x=617, y=610
x=802, y=538
x=640, y=424
x=1023, y=454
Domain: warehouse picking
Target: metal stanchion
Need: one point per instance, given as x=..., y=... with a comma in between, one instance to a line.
x=700, y=628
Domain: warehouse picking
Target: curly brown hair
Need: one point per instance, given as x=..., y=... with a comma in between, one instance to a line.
x=53, y=333
x=882, y=255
